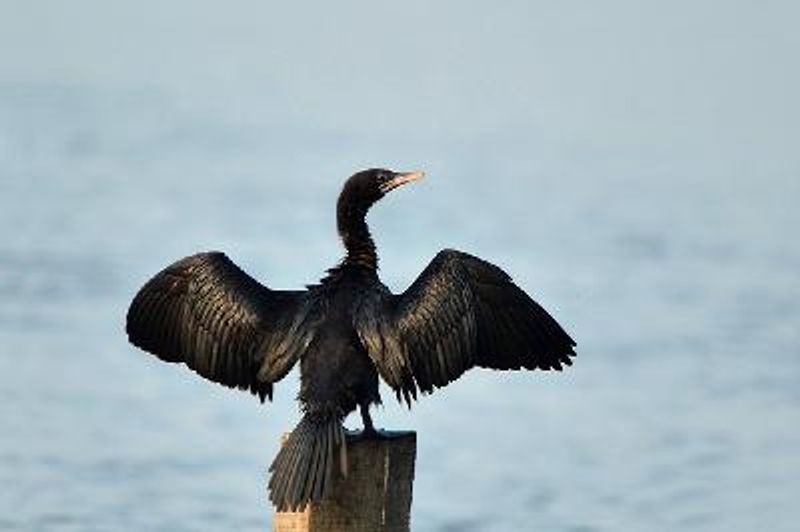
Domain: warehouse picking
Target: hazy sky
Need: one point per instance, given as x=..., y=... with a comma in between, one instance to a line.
x=711, y=81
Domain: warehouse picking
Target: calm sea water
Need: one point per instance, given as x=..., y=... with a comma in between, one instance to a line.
x=668, y=252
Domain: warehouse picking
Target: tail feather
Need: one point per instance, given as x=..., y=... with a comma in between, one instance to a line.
x=308, y=488
x=298, y=464
x=284, y=468
x=302, y=472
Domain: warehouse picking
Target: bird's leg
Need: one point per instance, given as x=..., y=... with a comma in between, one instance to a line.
x=369, y=428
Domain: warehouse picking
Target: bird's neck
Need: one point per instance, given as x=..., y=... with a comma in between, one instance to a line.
x=357, y=239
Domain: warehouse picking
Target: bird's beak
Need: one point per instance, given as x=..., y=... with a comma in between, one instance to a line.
x=401, y=178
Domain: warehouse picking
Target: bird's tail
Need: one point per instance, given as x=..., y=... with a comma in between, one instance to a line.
x=304, y=468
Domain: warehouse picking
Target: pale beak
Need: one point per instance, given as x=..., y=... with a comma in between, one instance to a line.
x=401, y=178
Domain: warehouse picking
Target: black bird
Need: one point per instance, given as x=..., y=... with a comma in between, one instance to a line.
x=348, y=329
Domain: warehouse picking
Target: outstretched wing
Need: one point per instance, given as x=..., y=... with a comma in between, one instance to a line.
x=206, y=312
x=461, y=312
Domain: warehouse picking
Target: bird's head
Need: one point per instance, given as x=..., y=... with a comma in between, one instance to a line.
x=368, y=186
x=364, y=188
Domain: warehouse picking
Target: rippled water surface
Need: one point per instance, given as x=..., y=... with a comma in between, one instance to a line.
x=642, y=187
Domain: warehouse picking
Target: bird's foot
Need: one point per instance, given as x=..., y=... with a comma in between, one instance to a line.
x=369, y=433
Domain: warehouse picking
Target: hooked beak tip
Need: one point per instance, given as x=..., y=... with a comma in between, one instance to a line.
x=401, y=178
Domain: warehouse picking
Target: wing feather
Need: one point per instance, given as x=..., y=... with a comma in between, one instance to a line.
x=461, y=312
x=206, y=312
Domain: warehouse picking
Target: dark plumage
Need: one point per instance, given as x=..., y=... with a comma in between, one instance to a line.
x=461, y=312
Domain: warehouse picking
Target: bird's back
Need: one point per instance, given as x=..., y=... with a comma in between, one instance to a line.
x=336, y=372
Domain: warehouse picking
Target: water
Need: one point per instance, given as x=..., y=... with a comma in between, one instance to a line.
x=642, y=187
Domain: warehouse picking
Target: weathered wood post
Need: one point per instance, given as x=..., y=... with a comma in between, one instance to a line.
x=375, y=495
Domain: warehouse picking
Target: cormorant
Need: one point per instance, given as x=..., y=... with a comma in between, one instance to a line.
x=346, y=330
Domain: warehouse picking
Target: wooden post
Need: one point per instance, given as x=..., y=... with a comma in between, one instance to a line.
x=375, y=495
